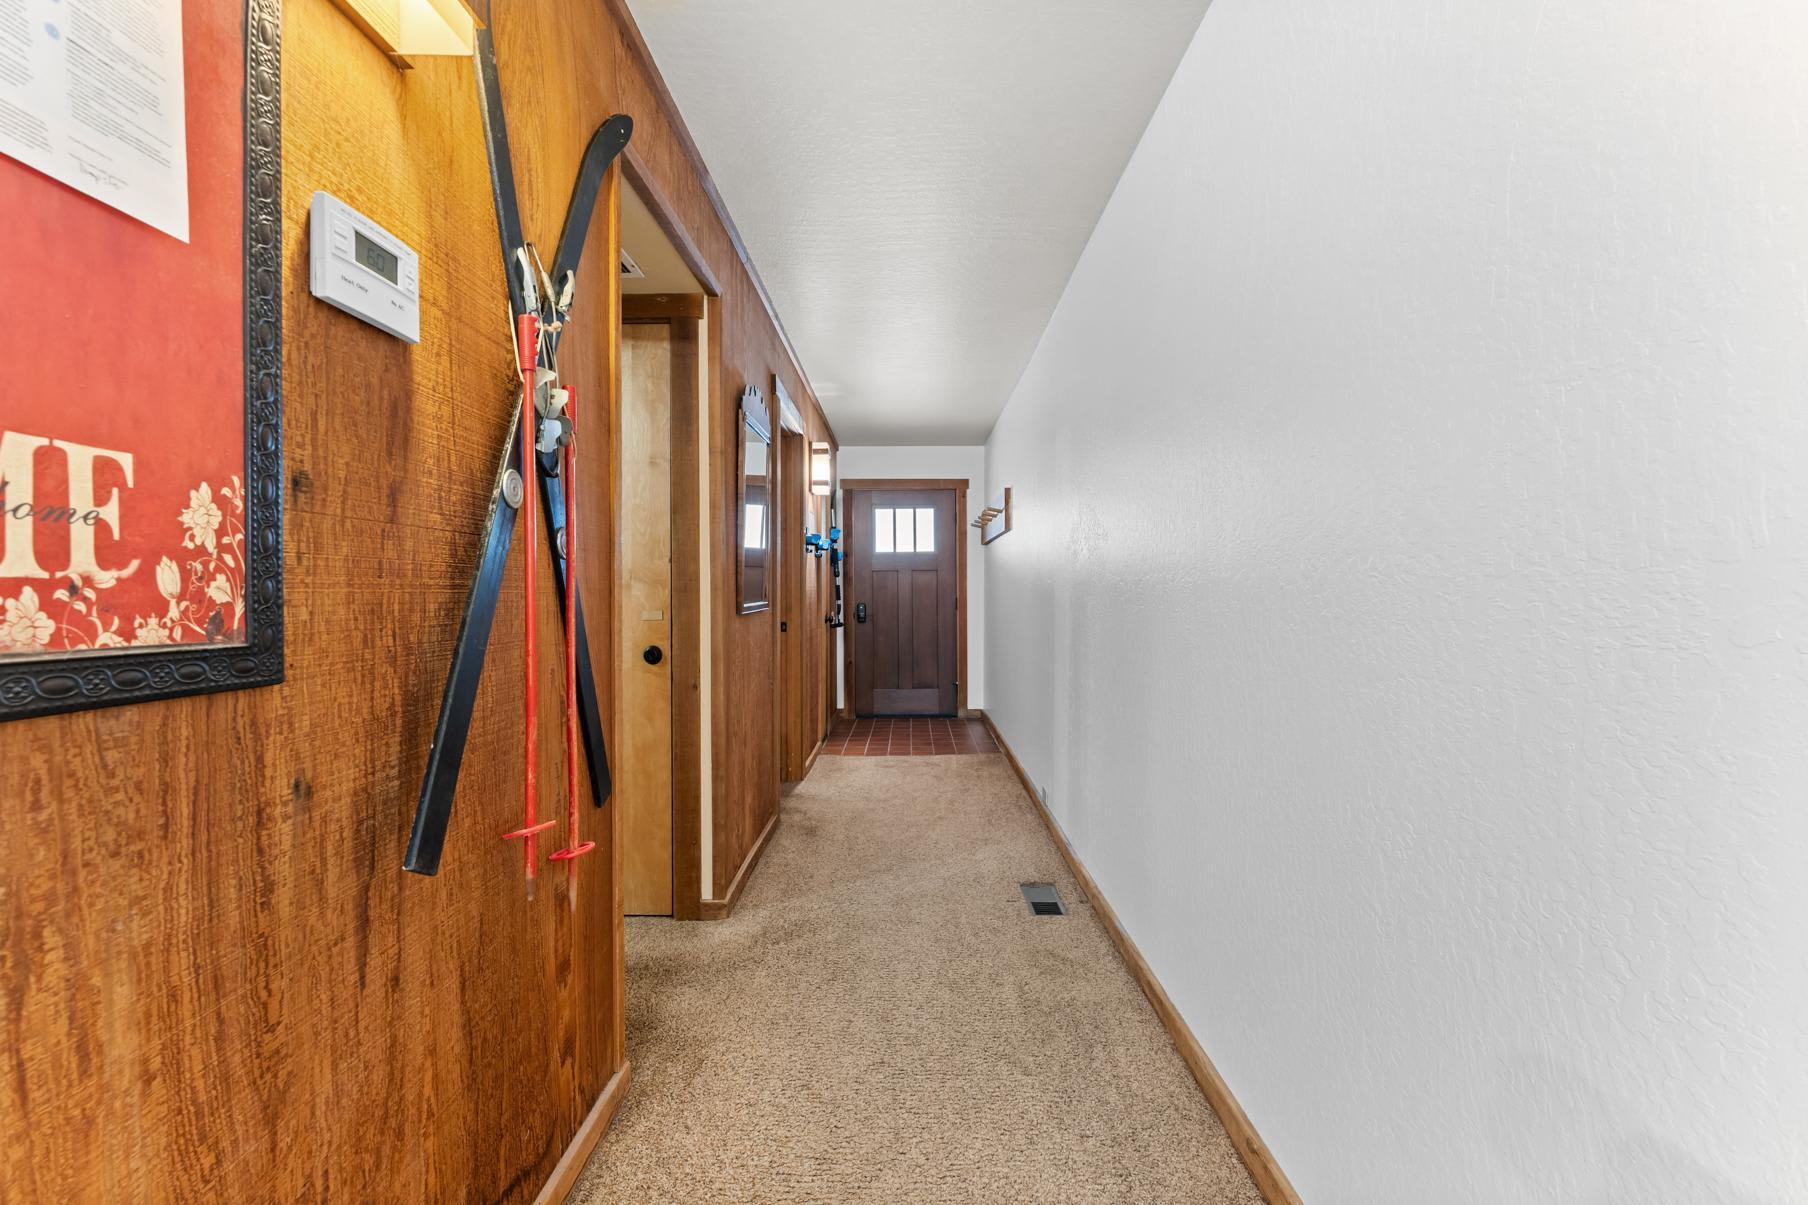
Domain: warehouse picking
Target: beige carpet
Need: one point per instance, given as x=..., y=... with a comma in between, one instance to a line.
x=883, y=1021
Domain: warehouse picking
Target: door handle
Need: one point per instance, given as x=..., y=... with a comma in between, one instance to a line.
x=859, y=612
x=652, y=654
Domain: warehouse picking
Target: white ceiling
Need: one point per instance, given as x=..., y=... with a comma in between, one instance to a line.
x=915, y=180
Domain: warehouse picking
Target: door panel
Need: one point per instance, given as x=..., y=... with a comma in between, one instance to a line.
x=884, y=636
x=902, y=559
x=643, y=780
x=929, y=623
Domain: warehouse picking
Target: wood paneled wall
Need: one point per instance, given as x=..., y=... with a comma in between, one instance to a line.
x=216, y=982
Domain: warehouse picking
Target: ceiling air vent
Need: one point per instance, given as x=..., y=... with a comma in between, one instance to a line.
x=1042, y=898
x=629, y=269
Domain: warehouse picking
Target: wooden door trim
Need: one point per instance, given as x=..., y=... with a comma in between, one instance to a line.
x=794, y=564
x=867, y=485
x=666, y=215
x=658, y=307
x=689, y=633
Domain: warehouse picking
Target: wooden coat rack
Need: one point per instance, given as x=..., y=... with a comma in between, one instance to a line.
x=995, y=520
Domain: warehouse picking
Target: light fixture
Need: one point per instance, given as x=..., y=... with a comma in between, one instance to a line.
x=822, y=470
x=408, y=29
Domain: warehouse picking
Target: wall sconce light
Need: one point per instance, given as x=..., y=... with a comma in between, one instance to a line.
x=822, y=470
x=407, y=29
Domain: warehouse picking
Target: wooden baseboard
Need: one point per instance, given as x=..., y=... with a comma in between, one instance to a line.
x=723, y=908
x=1269, y=1178
x=571, y=1164
x=810, y=761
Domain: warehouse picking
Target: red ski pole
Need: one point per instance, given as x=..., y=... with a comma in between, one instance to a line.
x=527, y=351
x=574, y=849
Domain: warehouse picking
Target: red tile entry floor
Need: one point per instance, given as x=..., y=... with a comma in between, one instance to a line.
x=908, y=738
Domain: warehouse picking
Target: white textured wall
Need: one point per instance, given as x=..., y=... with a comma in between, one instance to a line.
x=1407, y=610
x=938, y=463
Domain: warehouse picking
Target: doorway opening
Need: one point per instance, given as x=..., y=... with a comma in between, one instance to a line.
x=661, y=578
x=802, y=589
x=791, y=460
x=906, y=597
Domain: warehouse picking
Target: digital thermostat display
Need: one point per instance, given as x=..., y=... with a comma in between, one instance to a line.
x=374, y=257
x=359, y=267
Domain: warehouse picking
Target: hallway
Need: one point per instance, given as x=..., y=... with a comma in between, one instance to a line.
x=883, y=1020
x=690, y=514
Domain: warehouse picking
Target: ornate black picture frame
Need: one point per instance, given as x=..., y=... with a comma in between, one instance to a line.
x=111, y=676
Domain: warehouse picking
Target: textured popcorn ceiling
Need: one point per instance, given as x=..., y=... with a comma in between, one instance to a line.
x=915, y=181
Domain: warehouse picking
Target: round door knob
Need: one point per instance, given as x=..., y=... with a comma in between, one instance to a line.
x=653, y=654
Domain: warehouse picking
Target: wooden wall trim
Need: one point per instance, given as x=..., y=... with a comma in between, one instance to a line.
x=616, y=947
x=565, y=1173
x=723, y=908
x=637, y=45
x=723, y=604
x=1267, y=1174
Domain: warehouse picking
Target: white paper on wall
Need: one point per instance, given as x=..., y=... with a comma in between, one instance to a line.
x=91, y=95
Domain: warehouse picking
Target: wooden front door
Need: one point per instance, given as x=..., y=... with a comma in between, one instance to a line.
x=902, y=556
x=643, y=776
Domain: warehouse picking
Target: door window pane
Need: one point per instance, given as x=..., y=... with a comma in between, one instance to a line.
x=903, y=529
x=925, y=529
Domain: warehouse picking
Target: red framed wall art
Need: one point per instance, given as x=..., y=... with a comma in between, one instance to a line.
x=140, y=356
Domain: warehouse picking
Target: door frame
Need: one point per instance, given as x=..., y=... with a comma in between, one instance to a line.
x=850, y=598
x=791, y=456
x=695, y=652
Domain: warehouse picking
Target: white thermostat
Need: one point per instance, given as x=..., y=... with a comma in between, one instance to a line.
x=361, y=268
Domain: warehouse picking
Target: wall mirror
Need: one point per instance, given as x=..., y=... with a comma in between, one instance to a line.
x=755, y=497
